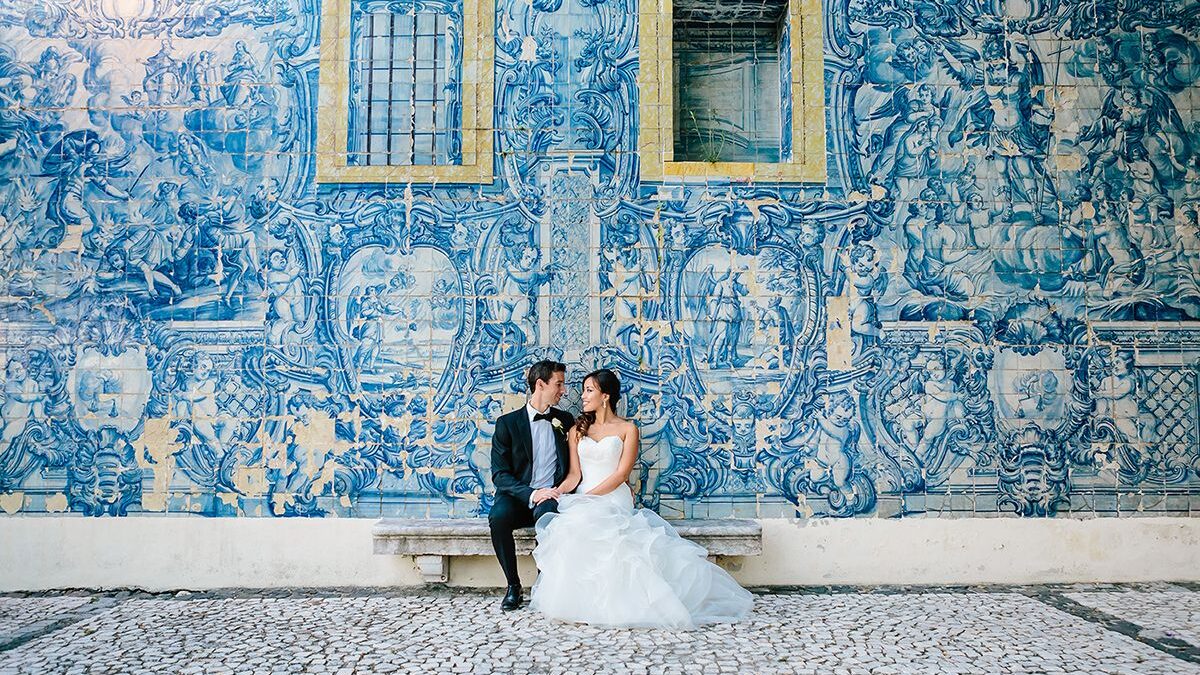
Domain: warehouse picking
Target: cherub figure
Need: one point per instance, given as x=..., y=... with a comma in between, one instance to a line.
x=832, y=442
x=940, y=402
x=285, y=284
x=196, y=401
x=1117, y=400
x=24, y=400
x=513, y=306
x=869, y=280
x=744, y=442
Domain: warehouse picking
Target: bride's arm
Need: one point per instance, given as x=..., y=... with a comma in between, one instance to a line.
x=574, y=474
x=628, y=456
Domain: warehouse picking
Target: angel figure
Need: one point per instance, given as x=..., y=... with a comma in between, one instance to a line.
x=1136, y=122
x=1005, y=115
x=520, y=278
x=940, y=404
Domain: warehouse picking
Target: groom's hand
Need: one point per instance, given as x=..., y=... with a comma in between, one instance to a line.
x=542, y=494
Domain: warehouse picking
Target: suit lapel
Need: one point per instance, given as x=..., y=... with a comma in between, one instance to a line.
x=525, y=434
x=560, y=444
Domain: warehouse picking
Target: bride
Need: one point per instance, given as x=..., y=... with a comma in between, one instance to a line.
x=600, y=561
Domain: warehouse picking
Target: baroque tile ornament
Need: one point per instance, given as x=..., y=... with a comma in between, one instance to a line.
x=977, y=294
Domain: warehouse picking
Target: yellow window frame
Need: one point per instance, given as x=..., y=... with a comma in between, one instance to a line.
x=656, y=135
x=333, y=104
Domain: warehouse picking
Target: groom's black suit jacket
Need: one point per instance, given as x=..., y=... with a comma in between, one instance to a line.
x=512, y=452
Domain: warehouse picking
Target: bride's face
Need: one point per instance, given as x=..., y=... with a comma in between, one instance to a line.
x=592, y=398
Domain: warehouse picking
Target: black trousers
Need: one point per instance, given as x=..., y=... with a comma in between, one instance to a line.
x=508, y=514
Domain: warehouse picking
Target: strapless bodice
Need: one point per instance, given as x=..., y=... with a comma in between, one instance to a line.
x=598, y=460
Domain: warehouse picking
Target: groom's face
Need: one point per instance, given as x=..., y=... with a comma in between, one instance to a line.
x=554, y=389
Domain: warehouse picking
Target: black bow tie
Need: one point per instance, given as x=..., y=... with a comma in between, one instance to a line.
x=542, y=416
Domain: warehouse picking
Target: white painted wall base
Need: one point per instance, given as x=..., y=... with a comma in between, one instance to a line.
x=165, y=553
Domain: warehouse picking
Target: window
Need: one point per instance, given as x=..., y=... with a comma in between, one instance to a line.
x=404, y=92
x=726, y=81
x=401, y=100
x=732, y=89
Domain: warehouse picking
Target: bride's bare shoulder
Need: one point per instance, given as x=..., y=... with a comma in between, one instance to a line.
x=629, y=428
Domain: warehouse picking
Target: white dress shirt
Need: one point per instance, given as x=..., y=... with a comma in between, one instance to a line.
x=545, y=451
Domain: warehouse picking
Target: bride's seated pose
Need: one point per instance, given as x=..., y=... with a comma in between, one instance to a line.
x=600, y=560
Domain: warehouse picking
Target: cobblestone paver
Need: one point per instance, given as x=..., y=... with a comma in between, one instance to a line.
x=17, y=614
x=964, y=632
x=1174, y=614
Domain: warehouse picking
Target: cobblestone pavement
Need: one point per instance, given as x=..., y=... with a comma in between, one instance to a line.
x=1174, y=614
x=1025, y=630
x=18, y=614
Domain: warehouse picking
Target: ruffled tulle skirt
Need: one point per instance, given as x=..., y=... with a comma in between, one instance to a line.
x=602, y=562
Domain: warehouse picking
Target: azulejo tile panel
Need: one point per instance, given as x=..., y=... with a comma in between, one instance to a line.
x=987, y=304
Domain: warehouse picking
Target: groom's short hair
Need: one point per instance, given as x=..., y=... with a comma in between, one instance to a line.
x=543, y=370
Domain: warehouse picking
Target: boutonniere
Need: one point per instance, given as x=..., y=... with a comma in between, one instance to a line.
x=557, y=424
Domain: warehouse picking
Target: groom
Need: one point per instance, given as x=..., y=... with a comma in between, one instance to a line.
x=529, y=461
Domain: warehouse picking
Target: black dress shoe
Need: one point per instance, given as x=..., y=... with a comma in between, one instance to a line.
x=512, y=599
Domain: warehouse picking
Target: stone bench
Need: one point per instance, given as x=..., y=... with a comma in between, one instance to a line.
x=433, y=541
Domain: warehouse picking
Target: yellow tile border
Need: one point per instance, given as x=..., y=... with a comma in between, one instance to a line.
x=333, y=103
x=656, y=139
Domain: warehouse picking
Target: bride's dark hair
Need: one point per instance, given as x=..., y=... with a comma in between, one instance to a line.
x=608, y=383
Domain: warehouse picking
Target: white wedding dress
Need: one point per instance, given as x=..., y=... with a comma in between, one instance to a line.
x=600, y=561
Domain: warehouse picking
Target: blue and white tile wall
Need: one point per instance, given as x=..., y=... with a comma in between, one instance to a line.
x=991, y=307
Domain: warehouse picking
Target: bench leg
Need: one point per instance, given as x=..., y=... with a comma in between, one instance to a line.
x=434, y=568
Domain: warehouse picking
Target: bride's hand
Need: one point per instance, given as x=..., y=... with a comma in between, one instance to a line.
x=542, y=494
